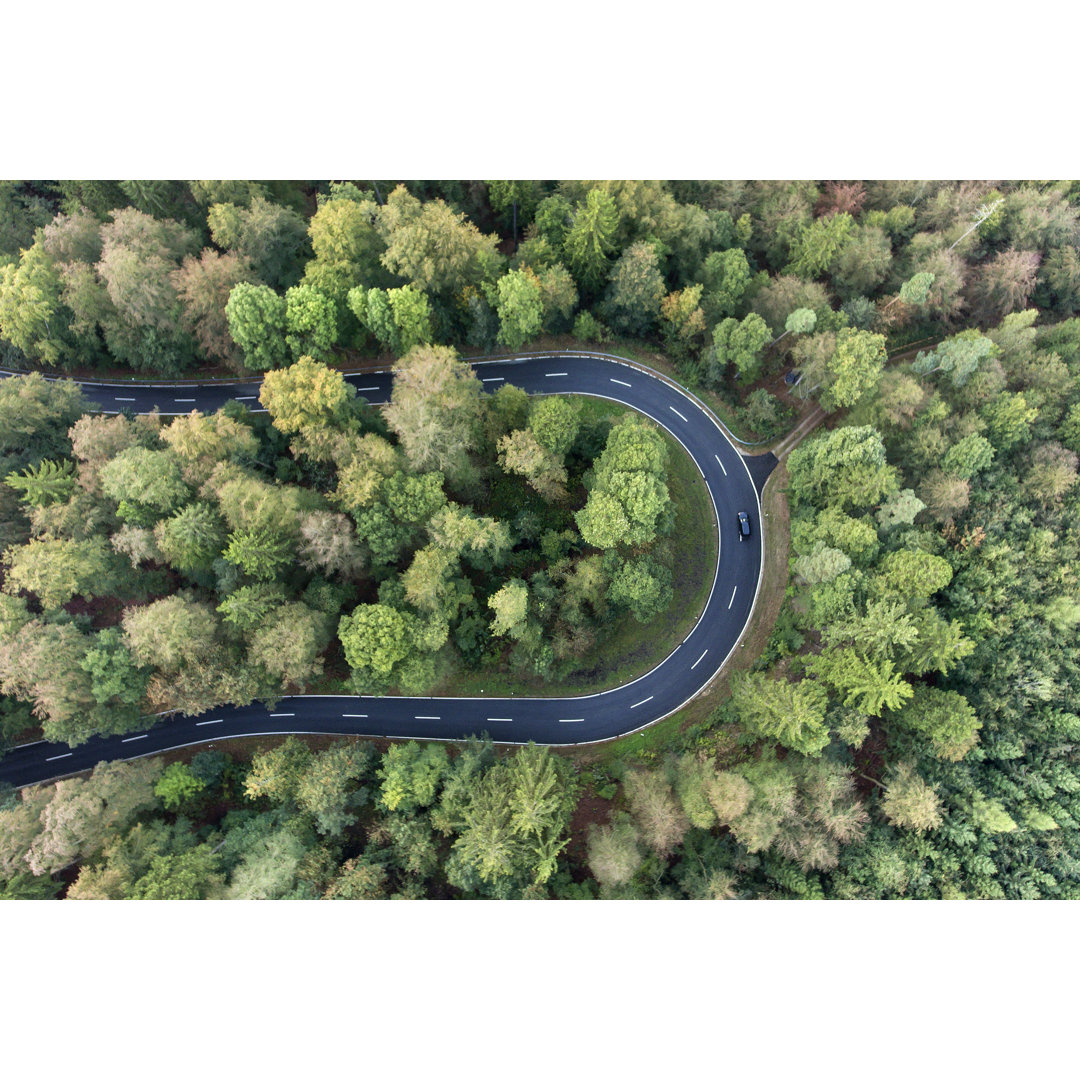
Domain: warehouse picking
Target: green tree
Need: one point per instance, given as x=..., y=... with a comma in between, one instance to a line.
x=726, y=276
x=854, y=369
x=629, y=499
x=115, y=676
x=32, y=314
x=376, y=638
x=271, y=237
x=307, y=394
x=400, y=319
x=739, y=344
x=819, y=244
x=614, y=853
x=943, y=717
x=520, y=197
x=555, y=421
x=258, y=552
x=792, y=714
x=436, y=249
x=959, y=356
x=559, y=297
x=146, y=484
x=519, y=303
x=635, y=291
x=683, y=321
x=552, y=220
x=46, y=483
x=909, y=801
x=256, y=319
x=410, y=776
x=178, y=785
x=521, y=452
x=186, y=875
x=436, y=410
x=971, y=455
x=246, y=607
x=310, y=323
x=590, y=239
x=287, y=644
x=870, y=685
x=1008, y=420
x=511, y=607
x=327, y=788
x=843, y=467
x=643, y=586
x=192, y=538
x=57, y=570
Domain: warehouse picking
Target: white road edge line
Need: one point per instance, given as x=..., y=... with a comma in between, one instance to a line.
x=732, y=600
x=133, y=738
x=698, y=660
x=678, y=414
x=58, y=757
x=720, y=463
x=649, y=698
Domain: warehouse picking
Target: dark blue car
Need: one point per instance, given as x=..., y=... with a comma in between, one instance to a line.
x=744, y=525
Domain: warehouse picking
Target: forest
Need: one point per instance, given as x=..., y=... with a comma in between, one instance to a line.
x=908, y=730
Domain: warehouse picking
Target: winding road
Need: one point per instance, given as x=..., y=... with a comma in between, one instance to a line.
x=734, y=483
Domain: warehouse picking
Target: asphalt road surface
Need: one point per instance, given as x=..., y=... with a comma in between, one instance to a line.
x=555, y=720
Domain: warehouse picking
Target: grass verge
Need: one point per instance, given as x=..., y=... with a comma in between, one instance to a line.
x=668, y=734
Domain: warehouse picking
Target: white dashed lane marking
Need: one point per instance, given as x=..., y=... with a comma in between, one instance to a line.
x=732, y=600
x=203, y=723
x=581, y=720
x=354, y=715
x=698, y=660
x=678, y=414
x=499, y=379
x=124, y=399
x=642, y=702
x=427, y=717
x=620, y=382
x=555, y=374
x=133, y=738
x=58, y=757
x=720, y=463
x=274, y=715
x=500, y=719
